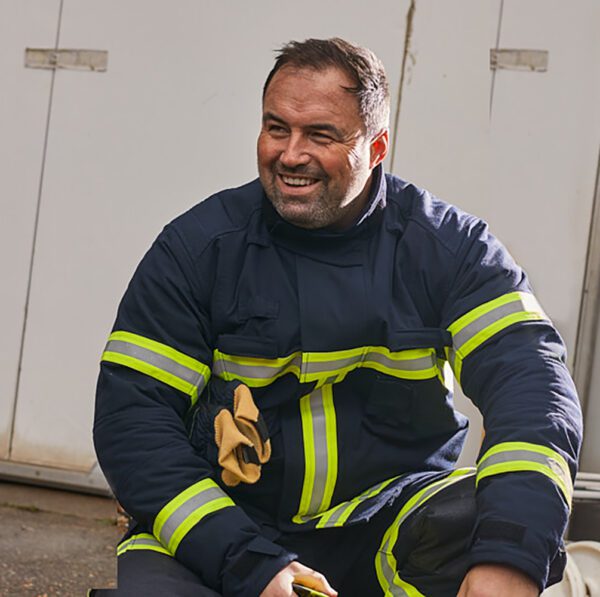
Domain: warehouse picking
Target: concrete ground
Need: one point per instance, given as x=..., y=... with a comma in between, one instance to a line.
x=55, y=542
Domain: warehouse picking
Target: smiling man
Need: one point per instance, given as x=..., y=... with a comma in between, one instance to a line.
x=272, y=408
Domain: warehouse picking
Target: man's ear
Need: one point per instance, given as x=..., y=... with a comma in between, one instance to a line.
x=379, y=148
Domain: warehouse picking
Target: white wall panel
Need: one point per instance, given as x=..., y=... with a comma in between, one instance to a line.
x=545, y=139
x=173, y=119
x=24, y=95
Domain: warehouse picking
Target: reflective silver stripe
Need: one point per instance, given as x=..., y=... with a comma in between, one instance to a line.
x=406, y=365
x=320, y=436
x=340, y=511
x=188, y=507
x=137, y=542
x=469, y=331
x=390, y=574
x=388, y=545
x=306, y=365
x=515, y=456
x=313, y=367
x=328, y=366
x=511, y=456
x=253, y=371
x=157, y=360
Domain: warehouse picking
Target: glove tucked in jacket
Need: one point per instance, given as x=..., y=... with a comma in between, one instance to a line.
x=229, y=431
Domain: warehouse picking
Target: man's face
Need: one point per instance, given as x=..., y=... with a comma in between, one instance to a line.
x=314, y=158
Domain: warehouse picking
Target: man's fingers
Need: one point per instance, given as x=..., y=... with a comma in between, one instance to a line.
x=315, y=580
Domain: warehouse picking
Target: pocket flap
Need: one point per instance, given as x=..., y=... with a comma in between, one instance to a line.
x=437, y=338
x=247, y=346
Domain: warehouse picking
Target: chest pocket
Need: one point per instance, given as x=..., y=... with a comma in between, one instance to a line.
x=408, y=409
x=255, y=318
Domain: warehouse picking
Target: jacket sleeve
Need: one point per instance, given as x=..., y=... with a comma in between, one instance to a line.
x=510, y=361
x=154, y=367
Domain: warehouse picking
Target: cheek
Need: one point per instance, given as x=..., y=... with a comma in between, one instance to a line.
x=267, y=152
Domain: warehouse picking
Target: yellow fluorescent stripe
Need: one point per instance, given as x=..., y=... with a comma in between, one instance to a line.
x=133, y=543
x=152, y=371
x=439, y=485
x=162, y=349
x=403, y=355
x=485, y=334
x=525, y=465
x=485, y=308
x=255, y=361
x=284, y=365
x=510, y=446
x=308, y=440
x=350, y=505
x=332, y=448
x=178, y=500
x=254, y=382
x=195, y=517
x=391, y=535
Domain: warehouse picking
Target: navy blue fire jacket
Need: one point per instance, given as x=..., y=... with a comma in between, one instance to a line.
x=345, y=339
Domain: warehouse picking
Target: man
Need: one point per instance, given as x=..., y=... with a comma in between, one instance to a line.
x=335, y=293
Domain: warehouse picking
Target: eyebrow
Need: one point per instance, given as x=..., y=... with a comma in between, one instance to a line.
x=317, y=126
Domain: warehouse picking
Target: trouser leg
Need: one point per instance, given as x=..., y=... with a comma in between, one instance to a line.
x=426, y=550
x=144, y=573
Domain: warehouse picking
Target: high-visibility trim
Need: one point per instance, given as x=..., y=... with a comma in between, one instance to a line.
x=143, y=541
x=510, y=457
x=183, y=512
x=386, y=565
x=327, y=367
x=319, y=434
x=255, y=372
x=159, y=361
x=478, y=325
x=338, y=516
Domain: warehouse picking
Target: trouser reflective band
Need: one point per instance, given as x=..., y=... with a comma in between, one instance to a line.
x=385, y=562
x=478, y=325
x=158, y=361
x=186, y=510
x=142, y=541
x=319, y=436
x=510, y=457
x=325, y=368
x=339, y=515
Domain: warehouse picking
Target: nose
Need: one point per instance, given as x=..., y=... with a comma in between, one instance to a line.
x=294, y=152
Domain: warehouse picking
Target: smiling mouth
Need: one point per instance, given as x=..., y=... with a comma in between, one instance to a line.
x=297, y=181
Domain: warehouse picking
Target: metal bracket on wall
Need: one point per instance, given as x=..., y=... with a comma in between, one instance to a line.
x=524, y=60
x=89, y=60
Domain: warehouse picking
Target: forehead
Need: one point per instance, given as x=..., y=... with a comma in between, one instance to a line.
x=305, y=95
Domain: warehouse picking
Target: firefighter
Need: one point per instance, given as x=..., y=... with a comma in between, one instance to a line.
x=273, y=407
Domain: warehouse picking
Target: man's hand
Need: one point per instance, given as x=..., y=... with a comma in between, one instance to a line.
x=281, y=583
x=495, y=580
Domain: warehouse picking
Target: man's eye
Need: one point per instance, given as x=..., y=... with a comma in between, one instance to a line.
x=322, y=137
x=275, y=129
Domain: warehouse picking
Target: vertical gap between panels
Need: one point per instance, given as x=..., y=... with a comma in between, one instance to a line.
x=410, y=17
x=497, y=45
x=35, y=233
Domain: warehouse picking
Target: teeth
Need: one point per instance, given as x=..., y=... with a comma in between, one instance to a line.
x=298, y=182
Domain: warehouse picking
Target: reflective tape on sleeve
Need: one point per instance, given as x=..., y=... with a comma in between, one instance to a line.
x=158, y=361
x=325, y=368
x=512, y=457
x=143, y=541
x=480, y=324
x=186, y=510
x=319, y=433
x=386, y=565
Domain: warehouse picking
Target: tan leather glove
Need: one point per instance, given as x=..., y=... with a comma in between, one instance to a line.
x=241, y=434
